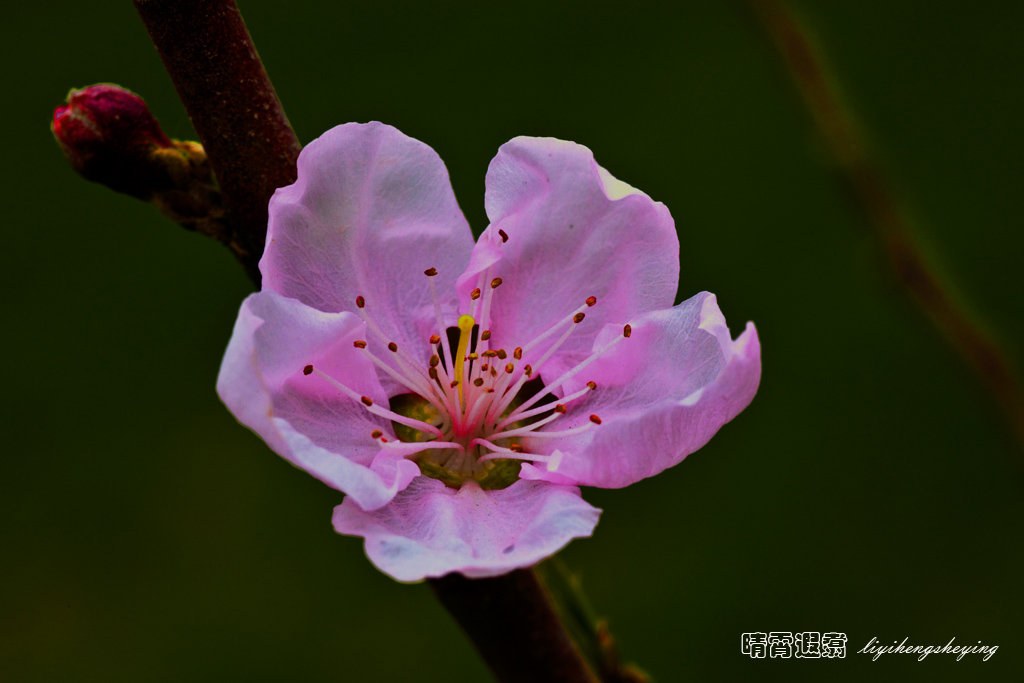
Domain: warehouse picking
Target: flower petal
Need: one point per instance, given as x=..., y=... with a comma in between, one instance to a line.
x=662, y=394
x=370, y=211
x=430, y=530
x=573, y=232
x=305, y=418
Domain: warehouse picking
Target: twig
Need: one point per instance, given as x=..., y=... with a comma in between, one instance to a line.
x=514, y=626
x=218, y=75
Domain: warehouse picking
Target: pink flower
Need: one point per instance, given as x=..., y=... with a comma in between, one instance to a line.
x=572, y=368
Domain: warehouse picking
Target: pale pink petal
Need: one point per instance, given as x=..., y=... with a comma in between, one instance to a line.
x=573, y=232
x=370, y=211
x=430, y=530
x=371, y=487
x=662, y=394
x=305, y=418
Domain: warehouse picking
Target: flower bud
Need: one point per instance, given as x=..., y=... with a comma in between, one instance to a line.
x=109, y=136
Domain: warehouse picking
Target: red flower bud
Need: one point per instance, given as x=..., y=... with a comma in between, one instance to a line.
x=108, y=135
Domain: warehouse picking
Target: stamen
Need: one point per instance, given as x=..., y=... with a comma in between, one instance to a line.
x=360, y=301
x=551, y=330
x=377, y=410
x=475, y=294
x=392, y=347
x=409, y=447
x=495, y=283
x=359, y=344
x=507, y=453
x=504, y=236
x=559, y=408
x=528, y=429
x=569, y=375
x=430, y=272
x=578, y=318
x=307, y=370
x=518, y=353
x=591, y=300
x=485, y=335
x=376, y=434
x=595, y=419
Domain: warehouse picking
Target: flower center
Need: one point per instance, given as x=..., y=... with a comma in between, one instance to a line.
x=475, y=412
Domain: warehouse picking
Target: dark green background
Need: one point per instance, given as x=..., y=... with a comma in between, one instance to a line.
x=871, y=488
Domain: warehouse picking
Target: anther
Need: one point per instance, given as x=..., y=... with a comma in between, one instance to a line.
x=578, y=318
x=432, y=373
x=430, y=272
x=376, y=434
x=626, y=331
x=392, y=347
x=495, y=283
x=485, y=335
x=434, y=360
x=359, y=344
x=489, y=354
x=483, y=368
x=475, y=294
x=455, y=383
x=308, y=370
x=504, y=236
x=560, y=409
x=595, y=419
x=509, y=368
x=367, y=401
x=360, y=301
x=501, y=354
x=515, y=448
x=478, y=382
x=591, y=300
x=435, y=339
x=494, y=373
x=383, y=440
x=518, y=353
x=592, y=385
x=472, y=356
x=528, y=371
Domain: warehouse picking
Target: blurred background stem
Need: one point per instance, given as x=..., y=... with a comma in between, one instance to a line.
x=882, y=207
